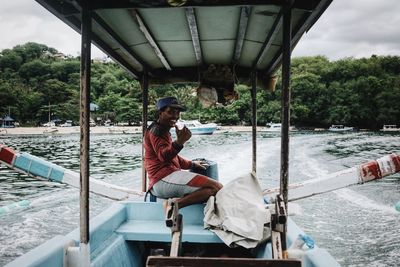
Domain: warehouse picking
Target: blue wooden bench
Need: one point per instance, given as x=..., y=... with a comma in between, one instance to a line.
x=146, y=222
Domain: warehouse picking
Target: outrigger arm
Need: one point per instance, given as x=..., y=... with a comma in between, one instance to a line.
x=363, y=173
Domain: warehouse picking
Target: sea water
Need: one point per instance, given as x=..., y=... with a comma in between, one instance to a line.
x=358, y=225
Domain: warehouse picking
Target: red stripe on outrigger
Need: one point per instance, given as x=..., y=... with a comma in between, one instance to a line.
x=370, y=171
x=7, y=154
x=396, y=161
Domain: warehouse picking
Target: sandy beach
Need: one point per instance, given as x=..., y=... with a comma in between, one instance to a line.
x=102, y=130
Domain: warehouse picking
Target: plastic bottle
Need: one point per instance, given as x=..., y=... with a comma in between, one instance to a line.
x=300, y=246
x=397, y=206
x=180, y=125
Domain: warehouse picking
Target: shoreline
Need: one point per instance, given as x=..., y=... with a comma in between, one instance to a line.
x=102, y=130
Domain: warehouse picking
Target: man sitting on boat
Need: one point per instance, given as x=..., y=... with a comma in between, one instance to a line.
x=165, y=167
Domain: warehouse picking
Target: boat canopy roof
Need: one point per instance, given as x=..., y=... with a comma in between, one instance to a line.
x=181, y=40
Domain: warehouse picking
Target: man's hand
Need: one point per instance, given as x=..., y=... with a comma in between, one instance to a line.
x=200, y=164
x=182, y=135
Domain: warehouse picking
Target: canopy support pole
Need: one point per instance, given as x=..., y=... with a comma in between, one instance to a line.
x=145, y=96
x=84, y=123
x=254, y=121
x=286, y=54
x=285, y=116
x=80, y=256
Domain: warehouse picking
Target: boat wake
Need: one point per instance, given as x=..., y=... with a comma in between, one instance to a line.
x=364, y=202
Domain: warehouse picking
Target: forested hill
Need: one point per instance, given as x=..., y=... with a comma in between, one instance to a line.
x=363, y=93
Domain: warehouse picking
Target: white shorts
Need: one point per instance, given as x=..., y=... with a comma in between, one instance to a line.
x=178, y=184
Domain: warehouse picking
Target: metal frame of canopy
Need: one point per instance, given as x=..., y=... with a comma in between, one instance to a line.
x=177, y=43
x=96, y=22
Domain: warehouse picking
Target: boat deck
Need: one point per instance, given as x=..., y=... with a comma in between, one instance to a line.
x=120, y=232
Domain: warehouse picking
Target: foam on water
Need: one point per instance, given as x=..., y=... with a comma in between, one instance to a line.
x=364, y=202
x=309, y=166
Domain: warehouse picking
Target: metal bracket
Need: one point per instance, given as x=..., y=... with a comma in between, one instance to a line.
x=174, y=221
x=278, y=229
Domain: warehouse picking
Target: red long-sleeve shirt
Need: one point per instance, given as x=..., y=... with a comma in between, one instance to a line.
x=161, y=154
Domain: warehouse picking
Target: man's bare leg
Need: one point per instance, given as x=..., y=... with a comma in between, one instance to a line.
x=199, y=196
x=210, y=188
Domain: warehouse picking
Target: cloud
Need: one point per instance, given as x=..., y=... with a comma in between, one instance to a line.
x=25, y=21
x=357, y=28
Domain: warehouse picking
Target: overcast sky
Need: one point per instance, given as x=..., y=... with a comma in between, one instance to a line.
x=348, y=28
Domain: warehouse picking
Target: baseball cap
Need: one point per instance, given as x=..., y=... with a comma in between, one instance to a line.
x=169, y=101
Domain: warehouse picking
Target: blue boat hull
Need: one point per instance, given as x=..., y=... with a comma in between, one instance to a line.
x=124, y=235
x=203, y=130
x=199, y=130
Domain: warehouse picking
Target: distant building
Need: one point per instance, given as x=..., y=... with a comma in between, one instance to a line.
x=54, y=55
x=7, y=122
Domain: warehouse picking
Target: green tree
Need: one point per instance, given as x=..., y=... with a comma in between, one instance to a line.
x=32, y=51
x=62, y=70
x=10, y=60
x=109, y=102
x=362, y=92
x=129, y=111
x=35, y=70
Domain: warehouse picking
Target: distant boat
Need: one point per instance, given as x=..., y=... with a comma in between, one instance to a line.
x=340, y=128
x=198, y=128
x=274, y=127
x=390, y=128
x=277, y=127
x=50, y=130
x=108, y=123
x=49, y=124
x=92, y=123
x=68, y=123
